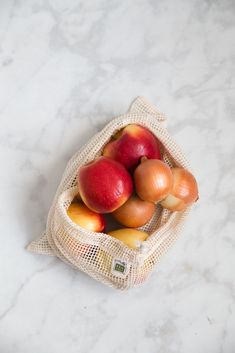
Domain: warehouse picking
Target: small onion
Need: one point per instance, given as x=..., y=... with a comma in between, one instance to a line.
x=153, y=180
x=134, y=213
x=184, y=191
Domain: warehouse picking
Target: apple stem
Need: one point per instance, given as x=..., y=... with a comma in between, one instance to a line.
x=143, y=159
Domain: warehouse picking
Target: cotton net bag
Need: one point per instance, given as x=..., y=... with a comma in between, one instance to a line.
x=101, y=256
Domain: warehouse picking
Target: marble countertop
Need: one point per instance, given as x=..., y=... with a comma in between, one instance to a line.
x=67, y=68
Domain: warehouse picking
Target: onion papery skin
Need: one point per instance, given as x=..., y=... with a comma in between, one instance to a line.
x=153, y=180
x=134, y=213
x=184, y=191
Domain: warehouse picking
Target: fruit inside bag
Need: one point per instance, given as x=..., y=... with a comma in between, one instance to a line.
x=112, y=259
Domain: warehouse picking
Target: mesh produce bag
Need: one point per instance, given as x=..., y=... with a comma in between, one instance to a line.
x=101, y=256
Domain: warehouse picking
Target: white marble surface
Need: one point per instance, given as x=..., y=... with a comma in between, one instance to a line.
x=66, y=68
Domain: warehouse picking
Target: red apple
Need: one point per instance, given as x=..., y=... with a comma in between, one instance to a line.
x=132, y=143
x=104, y=185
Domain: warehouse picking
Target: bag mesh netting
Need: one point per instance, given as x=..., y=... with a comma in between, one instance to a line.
x=101, y=256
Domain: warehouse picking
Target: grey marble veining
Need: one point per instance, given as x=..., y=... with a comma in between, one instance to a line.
x=67, y=68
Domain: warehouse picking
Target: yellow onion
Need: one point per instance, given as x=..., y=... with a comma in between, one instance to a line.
x=184, y=191
x=153, y=180
x=129, y=236
x=135, y=212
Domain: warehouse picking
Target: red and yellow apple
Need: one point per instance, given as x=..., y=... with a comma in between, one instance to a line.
x=130, y=144
x=104, y=184
x=81, y=215
x=129, y=236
